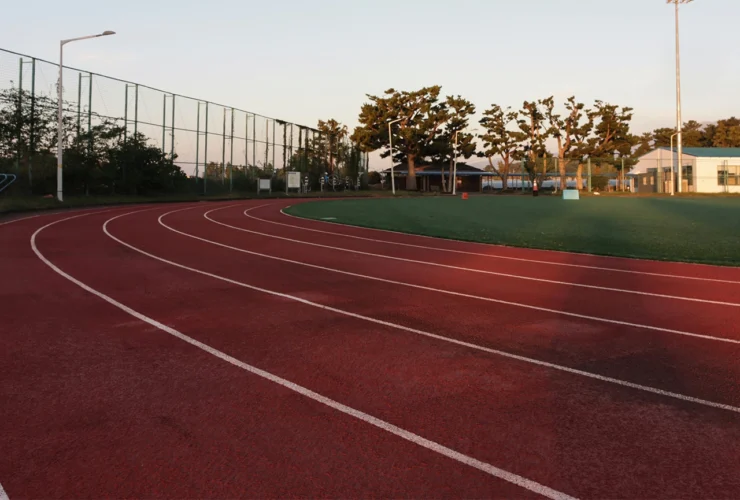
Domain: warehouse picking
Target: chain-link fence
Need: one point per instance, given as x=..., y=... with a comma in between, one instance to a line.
x=124, y=137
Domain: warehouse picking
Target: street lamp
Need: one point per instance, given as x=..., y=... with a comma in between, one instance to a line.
x=672, y=163
x=60, y=130
x=390, y=138
x=679, y=124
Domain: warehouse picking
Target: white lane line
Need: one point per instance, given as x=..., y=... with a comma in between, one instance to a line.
x=439, y=290
x=364, y=417
x=467, y=269
x=478, y=271
x=369, y=319
x=491, y=256
x=3, y=495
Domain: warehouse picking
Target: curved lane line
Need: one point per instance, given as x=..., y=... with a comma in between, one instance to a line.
x=376, y=422
x=480, y=271
x=505, y=354
x=493, y=256
x=439, y=290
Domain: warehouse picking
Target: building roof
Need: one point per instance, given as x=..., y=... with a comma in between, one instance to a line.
x=463, y=169
x=709, y=152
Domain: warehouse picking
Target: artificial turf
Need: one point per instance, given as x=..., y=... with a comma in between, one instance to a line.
x=701, y=229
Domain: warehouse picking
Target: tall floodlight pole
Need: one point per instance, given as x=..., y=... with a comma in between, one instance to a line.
x=672, y=165
x=679, y=123
x=390, y=138
x=60, y=92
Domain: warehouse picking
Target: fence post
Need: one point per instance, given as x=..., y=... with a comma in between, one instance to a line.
x=223, y=151
x=164, y=120
x=274, y=170
x=136, y=109
x=19, y=151
x=588, y=173
x=89, y=111
x=197, y=144
x=33, y=122
x=231, y=154
x=246, y=143
x=254, y=140
x=125, y=118
x=205, y=154
x=267, y=142
x=172, y=139
x=79, y=102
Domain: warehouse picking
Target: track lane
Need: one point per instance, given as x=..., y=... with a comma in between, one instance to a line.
x=694, y=366
x=533, y=257
x=96, y=404
x=481, y=267
x=716, y=319
x=584, y=425
x=357, y=460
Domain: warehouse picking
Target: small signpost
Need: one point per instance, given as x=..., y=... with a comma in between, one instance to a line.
x=294, y=182
x=264, y=185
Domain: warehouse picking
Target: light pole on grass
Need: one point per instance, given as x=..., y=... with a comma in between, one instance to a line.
x=454, y=169
x=60, y=96
x=672, y=164
x=390, y=138
x=679, y=124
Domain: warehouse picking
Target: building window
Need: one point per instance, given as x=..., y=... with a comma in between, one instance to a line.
x=728, y=175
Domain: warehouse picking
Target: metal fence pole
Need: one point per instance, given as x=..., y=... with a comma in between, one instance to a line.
x=197, y=143
x=223, y=151
x=164, y=120
x=125, y=118
x=205, y=153
x=172, y=139
x=79, y=102
x=33, y=122
x=267, y=142
x=19, y=112
x=136, y=109
x=231, y=154
x=254, y=140
x=273, y=147
x=246, y=143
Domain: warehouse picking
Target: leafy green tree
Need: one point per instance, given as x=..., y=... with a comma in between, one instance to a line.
x=333, y=134
x=571, y=132
x=443, y=147
x=611, y=141
x=500, y=140
x=422, y=117
x=533, y=133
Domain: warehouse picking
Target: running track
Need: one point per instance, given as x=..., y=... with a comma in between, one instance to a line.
x=229, y=350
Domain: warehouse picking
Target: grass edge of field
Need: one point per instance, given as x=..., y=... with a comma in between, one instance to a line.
x=291, y=210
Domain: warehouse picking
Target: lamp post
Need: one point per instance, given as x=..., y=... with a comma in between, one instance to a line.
x=672, y=163
x=60, y=92
x=679, y=124
x=390, y=138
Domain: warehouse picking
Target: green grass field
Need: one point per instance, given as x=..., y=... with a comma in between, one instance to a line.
x=704, y=230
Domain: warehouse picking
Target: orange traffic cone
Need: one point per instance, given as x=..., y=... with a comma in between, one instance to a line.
x=465, y=196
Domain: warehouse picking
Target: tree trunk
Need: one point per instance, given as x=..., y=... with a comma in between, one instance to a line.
x=579, y=177
x=561, y=167
x=443, y=187
x=411, y=177
x=504, y=180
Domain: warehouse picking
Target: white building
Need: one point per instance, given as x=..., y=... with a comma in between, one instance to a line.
x=705, y=170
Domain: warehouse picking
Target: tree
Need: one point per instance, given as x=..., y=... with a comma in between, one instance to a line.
x=569, y=132
x=726, y=134
x=611, y=140
x=333, y=134
x=533, y=134
x=422, y=116
x=499, y=140
x=460, y=110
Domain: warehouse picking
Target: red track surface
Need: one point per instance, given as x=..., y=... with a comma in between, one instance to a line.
x=95, y=402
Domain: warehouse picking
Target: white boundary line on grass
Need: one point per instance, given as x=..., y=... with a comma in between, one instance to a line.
x=3, y=495
x=494, y=256
x=504, y=354
x=369, y=419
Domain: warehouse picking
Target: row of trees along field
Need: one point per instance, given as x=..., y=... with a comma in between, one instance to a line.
x=429, y=125
x=108, y=159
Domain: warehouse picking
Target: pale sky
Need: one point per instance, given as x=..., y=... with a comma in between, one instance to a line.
x=307, y=60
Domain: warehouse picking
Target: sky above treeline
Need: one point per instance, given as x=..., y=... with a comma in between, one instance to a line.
x=304, y=61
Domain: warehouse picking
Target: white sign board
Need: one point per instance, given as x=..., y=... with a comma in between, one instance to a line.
x=294, y=180
x=265, y=185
